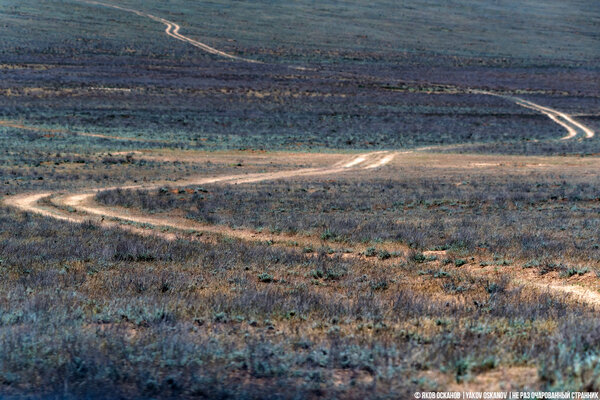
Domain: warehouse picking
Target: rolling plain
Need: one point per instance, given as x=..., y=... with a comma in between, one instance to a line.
x=298, y=200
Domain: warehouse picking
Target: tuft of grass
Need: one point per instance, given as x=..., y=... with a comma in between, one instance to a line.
x=265, y=277
x=459, y=262
x=417, y=257
x=370, y=252
x=572, y=271
x=383, y=254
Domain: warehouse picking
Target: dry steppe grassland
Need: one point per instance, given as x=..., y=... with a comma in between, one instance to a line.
x=296, y=200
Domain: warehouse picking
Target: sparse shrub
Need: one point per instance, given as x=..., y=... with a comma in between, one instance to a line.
x=441, y=274
x=383, y=254
x=459, y=262
x=486, y=364
x=532, y=264
x=417, y=257
x=328, y=235
x=551, y=267
x=220, y=317
x=569, y=272
x=452, y=288
x=335, y=272
x=496, y=287
x=265, y=277
x=316, y=273
x=461, y=369
x=370, y=252
x=380, y=284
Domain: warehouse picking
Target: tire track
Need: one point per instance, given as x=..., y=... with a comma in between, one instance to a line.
x=19, y=125
x=80, y=207
x=172, y=29
x=83, y=202
x=563, y=119
x=29, y=202
x=386, y=158
x=560, y=118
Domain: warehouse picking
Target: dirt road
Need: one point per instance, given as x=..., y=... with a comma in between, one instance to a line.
x=563, y=119
x=172, y=29
x=29, y=202
x=78, y=207
x=20, y=125
x=81, y=207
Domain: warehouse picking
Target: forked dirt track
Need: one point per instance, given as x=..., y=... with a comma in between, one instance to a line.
x=81, y=201
x=80, y=207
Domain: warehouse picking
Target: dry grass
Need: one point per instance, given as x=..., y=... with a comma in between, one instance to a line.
x=146, y=316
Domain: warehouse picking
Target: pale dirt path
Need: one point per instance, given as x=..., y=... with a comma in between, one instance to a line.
x=85, y=203
x=382, y=161
x=577, y=293
x=28, y=202
x=162, y=226
x=571, y=133
x=530, y=279
x=371, y=160
x=563, y=119
x=81, y=207
x=556, y=115
x=172, y=30
x=82, y=202
x=19, y=125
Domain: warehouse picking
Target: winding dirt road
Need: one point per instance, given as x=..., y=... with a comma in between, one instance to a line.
x=80, y=207
x=173, y=31
x=560, y=118
x=563, y=119
x=82, y=202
